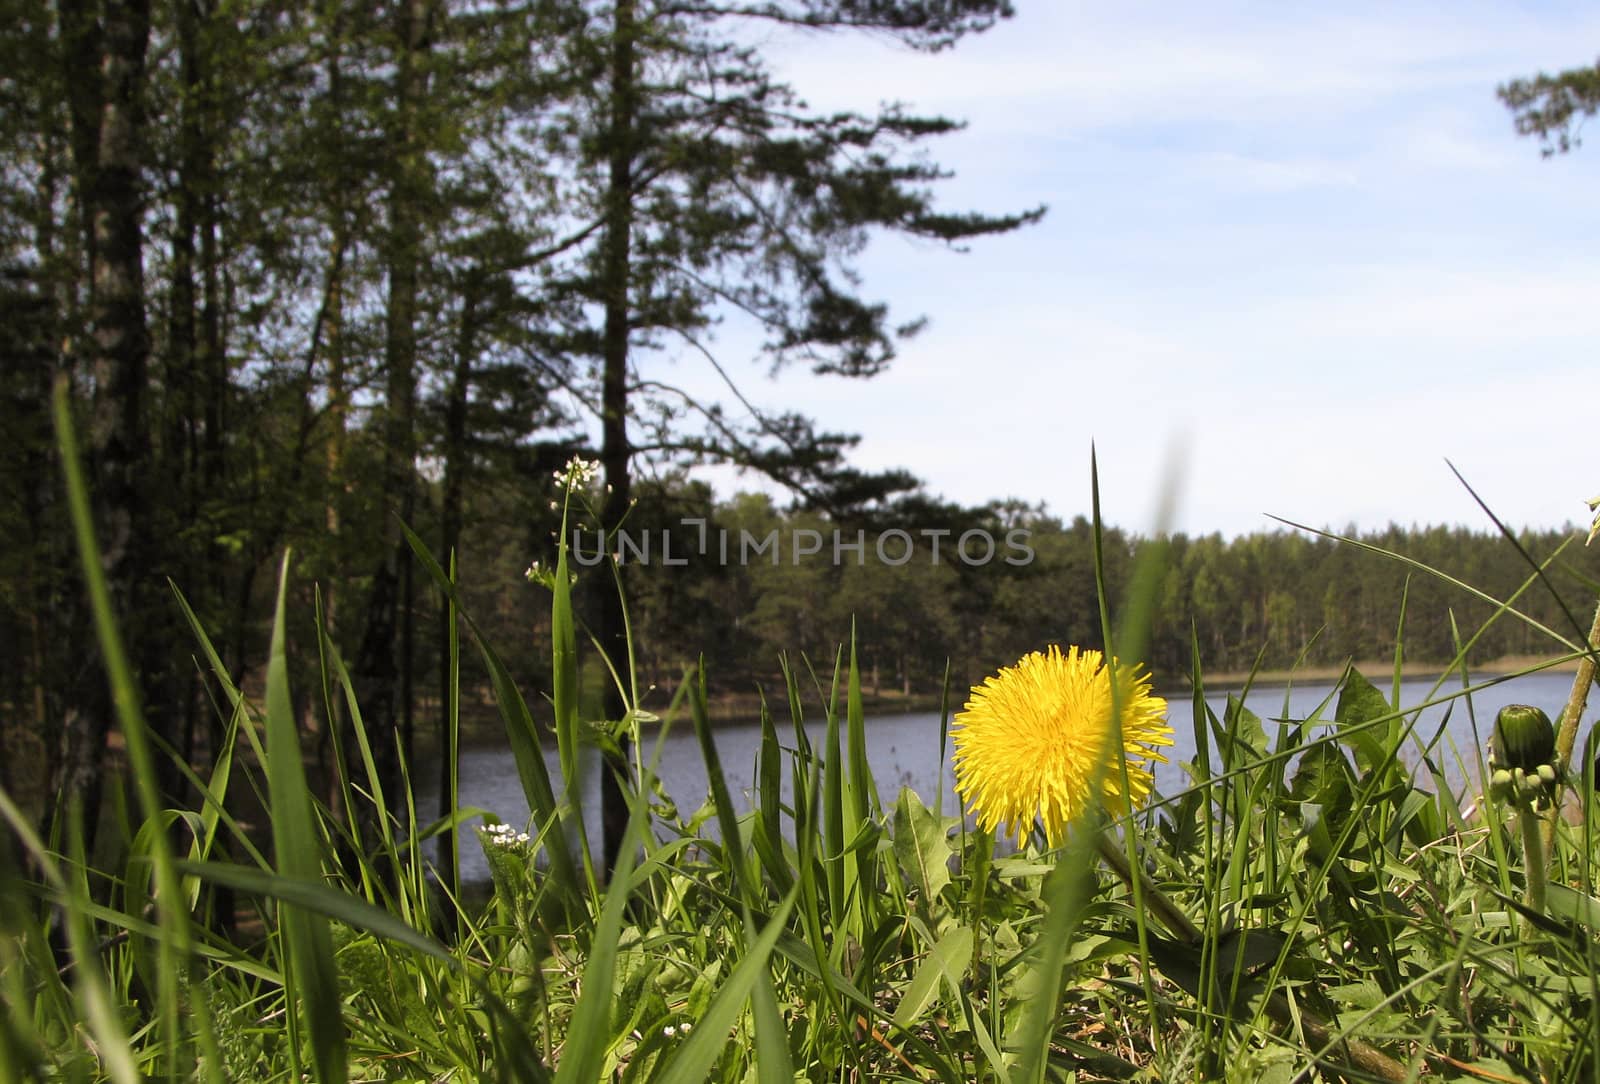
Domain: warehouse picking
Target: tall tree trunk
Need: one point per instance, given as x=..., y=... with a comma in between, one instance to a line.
x=108, y=129
x=385, y=656
x=616, y=283
x=27, y=342
x=183, y=369
x=44, y=358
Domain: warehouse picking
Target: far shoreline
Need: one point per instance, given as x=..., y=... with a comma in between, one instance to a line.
x=1376, y=671
x=744, y=708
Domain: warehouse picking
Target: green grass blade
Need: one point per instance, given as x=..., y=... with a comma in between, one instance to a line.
x=1576, y=647
x=721, y=800
x=588, y=1035
x=312, y=981
x=833, y=818
x=526, y=749
x=450, y=767
x=1066, y=891
x=773, y=1063
x=331, y=673
x=125, y=697
x=944, y=740
x=564, y=692
x=104, y=1016
x=768, y=798
x=861, y=864
x=373, y=881
x=316, y=897
x=695, y=1058
x=863, y=790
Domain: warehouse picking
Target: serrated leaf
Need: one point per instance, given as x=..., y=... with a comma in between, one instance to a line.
x=1241, y=727
x=1360, y=703
x=922, y=846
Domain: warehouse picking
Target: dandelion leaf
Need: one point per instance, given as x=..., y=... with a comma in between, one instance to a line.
x=922, y=845
x=1360, y=706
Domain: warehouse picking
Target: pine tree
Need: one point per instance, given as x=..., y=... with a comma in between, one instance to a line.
x=720, y=192
x=1552, y=107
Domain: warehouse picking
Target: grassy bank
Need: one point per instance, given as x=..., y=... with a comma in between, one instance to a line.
x=1334, y=922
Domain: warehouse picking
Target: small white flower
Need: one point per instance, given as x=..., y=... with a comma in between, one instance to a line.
x=503, y=835
x=669, y=1031
x=578, y=473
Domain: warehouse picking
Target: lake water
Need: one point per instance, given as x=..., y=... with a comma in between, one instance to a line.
x=904, y=749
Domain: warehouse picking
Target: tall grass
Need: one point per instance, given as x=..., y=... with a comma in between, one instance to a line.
x=1305, y=908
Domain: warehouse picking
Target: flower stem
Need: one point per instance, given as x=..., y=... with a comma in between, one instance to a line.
x=1171, y=915
x=1567, y=730
x=1533, y=863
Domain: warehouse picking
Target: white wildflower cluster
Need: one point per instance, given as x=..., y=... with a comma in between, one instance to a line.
x=674, y=1030
x=577, y=474
x=544, y=575
x=503, y=835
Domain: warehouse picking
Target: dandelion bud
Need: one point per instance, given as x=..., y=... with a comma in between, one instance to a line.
x=1522, y=753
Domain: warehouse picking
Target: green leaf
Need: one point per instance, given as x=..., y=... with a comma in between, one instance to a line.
x=922, y=844
x=125, y=692
x=947, y=960
x=769, y=829
x=722, y=801
x=1361, y=704
x=1566, y=902
x=1067, y=891
x=1241, y=732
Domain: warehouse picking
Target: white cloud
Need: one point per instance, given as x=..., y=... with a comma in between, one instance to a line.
x=1310, y=242
x=1232, y=171
x=1064, y=67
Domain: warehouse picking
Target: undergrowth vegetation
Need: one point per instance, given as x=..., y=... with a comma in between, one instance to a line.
x=1308, y=907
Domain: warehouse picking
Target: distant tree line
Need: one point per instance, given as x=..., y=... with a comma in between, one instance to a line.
x=1273, y=599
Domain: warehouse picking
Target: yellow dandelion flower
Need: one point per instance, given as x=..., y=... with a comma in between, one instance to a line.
x=1035, y=742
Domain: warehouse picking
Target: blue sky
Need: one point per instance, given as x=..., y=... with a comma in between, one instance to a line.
x=1297, y=252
